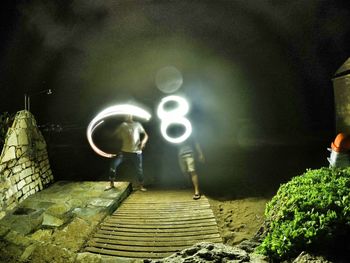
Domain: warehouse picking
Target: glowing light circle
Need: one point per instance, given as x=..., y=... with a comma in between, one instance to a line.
x=183, y=121
x=181, y=110
x=174, y=116
x=121, y=109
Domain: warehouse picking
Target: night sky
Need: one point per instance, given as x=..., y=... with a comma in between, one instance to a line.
x=255, y=72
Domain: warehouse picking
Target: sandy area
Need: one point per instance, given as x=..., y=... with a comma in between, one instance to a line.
x=239, y=219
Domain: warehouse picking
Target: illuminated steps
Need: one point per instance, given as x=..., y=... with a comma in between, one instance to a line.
x=155, y=224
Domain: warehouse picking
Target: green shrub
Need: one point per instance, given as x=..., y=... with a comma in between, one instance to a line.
x=310, y=212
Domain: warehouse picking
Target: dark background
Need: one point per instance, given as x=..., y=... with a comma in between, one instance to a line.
x=257, y=73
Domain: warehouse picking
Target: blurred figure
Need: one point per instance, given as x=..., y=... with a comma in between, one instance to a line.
x=133, y=143
x=340, y=151
x=187, y=152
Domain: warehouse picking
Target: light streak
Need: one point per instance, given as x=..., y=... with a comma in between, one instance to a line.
x=181, y=109
x=174, y=116
x=183, y=121
x=121, y=109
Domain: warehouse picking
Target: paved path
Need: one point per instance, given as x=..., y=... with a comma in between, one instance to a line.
x=53, y=225
x=155, y=224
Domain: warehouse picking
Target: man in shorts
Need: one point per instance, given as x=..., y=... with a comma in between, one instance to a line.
x=134, y=139
x=186, y=155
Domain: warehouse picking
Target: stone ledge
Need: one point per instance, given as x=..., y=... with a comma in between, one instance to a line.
x=74, y=208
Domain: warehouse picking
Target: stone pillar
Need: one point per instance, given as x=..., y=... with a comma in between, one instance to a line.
x=341, y=86
x=24, y=162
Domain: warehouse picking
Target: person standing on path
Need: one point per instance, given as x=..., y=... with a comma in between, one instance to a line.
x=186, y=155
x=134, y=139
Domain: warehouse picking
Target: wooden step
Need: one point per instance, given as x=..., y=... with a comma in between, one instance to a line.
x=155, y=224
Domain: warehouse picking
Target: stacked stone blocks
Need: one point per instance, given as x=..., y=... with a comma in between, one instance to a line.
x=24, y=163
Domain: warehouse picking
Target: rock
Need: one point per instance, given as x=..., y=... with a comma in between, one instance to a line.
x=42, y=235
x=10, y=154
x=17, y=239
x=2, y=214
x=10, y=253
x=23, y=223
x=208, y=252
x=305, y=257
x=190, y=251
x=88, y=257
x=4, y=230
x=48, y=252
x=248, y=245
x=52, y=221
x=90, y=214
x=74, y=235
x=75, y=202
x=103, y=202
x=108, y=259
x=207, y=255
x=257, y=258
x=27, y=252
x=58, y=210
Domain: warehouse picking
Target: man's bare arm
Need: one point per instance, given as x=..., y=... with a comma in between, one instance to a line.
x=200, y=152
x=144, y=140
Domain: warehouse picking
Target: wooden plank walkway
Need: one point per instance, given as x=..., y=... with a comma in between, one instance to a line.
x=155, y=224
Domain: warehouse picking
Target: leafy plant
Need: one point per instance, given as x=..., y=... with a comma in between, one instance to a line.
x=310, y=212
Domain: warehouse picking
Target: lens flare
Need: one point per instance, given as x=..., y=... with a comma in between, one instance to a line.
x=174, y=116
x=169, y=79
x=121, y=109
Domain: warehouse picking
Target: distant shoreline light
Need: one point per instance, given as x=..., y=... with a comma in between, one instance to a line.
x=121, y=109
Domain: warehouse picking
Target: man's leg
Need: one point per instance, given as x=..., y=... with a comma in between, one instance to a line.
x=113, y=170
x=191, y=170
x=139, y=170
x=195, y=182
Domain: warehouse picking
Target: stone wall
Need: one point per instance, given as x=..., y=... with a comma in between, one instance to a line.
x=24, y=163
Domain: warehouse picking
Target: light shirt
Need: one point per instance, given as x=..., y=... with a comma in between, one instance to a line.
x=186, y=147
x=129, y=133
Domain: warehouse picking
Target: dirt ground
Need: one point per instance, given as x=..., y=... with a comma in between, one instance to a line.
x=239, y=219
